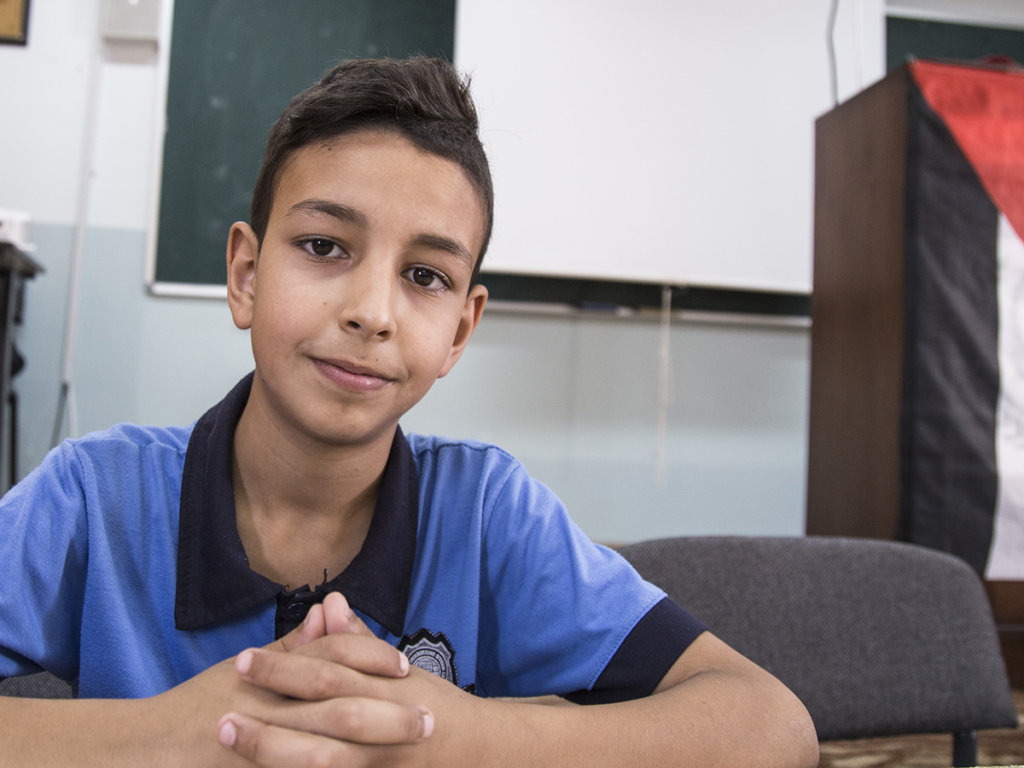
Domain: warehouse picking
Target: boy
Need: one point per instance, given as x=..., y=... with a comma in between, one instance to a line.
x=296, y=509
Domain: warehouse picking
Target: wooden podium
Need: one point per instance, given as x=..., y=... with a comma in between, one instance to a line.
x=857, y=315
x=876, y=467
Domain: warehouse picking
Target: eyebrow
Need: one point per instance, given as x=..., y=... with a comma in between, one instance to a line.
x=330, y=208
x=446, y=244
x=352, y=216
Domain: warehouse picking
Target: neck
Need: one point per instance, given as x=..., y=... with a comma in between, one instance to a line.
x=302, y=508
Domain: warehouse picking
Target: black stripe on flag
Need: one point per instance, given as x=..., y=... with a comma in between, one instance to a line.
x=949, y=477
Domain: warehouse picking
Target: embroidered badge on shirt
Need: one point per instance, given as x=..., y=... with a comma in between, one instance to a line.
x=430, y=652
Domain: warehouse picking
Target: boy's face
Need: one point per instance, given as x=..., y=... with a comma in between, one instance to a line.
x=360, y=297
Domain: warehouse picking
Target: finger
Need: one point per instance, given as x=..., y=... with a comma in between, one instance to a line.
x=323, y=669
x=270, y=746
x=324, y=734
x=298, y=675
x=340, y=618
x=363, y=721
x=311, y=628
x=358, y=720
x=364, y=653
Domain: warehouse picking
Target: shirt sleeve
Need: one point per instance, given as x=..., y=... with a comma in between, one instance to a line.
x=568, y=616
x=644, y=658
x=43, y=550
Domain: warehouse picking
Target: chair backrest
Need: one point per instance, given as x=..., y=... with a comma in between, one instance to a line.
x=875, y=637
x=41, y=685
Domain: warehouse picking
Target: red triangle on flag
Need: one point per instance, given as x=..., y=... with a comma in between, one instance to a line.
x=984, y=110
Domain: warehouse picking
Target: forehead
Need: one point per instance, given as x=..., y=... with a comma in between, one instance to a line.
x=389, y=179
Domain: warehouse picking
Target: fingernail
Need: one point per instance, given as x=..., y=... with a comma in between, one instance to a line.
x=403, y=664
x=244, y=662
x=428, y=722
x=227, y=734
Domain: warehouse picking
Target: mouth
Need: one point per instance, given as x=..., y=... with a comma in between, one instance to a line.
x=352, y=376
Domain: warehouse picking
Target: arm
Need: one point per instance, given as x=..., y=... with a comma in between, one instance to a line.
x=714, y=707
x=179, y=727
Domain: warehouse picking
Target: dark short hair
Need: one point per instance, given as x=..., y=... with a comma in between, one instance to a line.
x=424, y=99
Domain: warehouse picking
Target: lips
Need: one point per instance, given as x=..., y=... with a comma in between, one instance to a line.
x=351, y=376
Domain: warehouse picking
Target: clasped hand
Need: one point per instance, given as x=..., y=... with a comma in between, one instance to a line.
x=329, y=693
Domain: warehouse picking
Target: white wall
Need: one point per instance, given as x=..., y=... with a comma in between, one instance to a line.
x=577, y=398
x=668, y=142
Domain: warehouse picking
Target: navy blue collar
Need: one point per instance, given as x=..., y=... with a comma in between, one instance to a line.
x=214, y=581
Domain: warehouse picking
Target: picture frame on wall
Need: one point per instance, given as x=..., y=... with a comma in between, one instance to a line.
x=14, y=22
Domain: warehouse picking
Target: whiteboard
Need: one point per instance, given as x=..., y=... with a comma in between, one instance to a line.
x=666, y=141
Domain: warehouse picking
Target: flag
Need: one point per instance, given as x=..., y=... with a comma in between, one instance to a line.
x=962, y=410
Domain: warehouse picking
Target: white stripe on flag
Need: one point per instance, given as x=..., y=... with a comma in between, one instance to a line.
x=1006, y=557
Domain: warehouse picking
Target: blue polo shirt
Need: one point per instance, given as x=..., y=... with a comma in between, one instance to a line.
x=123, y=572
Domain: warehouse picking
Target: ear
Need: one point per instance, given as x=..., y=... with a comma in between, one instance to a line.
x=242, y=254
x=471, y=312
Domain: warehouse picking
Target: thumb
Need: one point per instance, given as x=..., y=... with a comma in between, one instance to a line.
x=311, y=628
x=339, y=618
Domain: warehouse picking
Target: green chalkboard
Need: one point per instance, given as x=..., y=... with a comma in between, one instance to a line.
x=234, y=66
x=943, y=40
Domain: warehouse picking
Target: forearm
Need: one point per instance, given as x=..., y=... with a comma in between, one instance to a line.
x=99, y=732
x=713, y=708
x=713, y=719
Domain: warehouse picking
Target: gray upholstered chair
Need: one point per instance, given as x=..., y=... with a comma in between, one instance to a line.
x=41, y=685
x=876, y=638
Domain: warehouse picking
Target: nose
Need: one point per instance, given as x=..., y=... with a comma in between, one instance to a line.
x=368, y=305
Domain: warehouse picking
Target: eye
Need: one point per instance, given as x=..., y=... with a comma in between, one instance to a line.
x=321, y=249
x=428, y=278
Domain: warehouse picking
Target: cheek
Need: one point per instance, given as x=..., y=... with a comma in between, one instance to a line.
x=434, y=351
x=277, y=324
x=283, y=303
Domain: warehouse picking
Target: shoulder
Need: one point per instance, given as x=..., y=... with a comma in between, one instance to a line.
x=480, y=470
x=125, y=474
x=133, y=437
x=434, y=452
x=127, y=442
x=473, y=478
x=115, y=457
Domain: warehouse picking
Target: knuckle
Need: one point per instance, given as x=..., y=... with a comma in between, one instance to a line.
x=324, y=686
x=255, y=747
x=338, y=647
x=348, y=717
x=322, y=757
